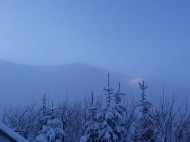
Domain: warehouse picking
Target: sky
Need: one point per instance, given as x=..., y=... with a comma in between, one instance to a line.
x=147, y=38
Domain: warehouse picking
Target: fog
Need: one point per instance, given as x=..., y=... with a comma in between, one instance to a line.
x=60, y=60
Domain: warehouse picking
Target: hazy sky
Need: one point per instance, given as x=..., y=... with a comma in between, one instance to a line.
x=136, y=37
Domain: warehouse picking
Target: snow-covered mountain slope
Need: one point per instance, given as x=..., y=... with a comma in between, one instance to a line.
x=22, y=83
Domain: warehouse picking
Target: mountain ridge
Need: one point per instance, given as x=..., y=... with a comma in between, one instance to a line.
x=20, y=83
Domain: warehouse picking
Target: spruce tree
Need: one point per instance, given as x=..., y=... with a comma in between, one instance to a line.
x=91, y=126
x=145, y=131
x=119, y=115
x=51, y=130
x=110, y=119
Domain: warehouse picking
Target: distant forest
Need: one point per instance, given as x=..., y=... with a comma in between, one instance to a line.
x=111, y=118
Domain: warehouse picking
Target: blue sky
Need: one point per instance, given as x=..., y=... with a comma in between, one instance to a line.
x=136, y=37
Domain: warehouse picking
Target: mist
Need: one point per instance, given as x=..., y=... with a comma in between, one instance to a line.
x=59, y=54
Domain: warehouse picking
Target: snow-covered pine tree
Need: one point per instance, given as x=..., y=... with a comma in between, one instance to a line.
x=145, y=131
x=119, y=115
x=91, y=126
x=110, y=129
x=51, y=131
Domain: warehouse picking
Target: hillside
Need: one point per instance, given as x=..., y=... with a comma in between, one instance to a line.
x=21, y=83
